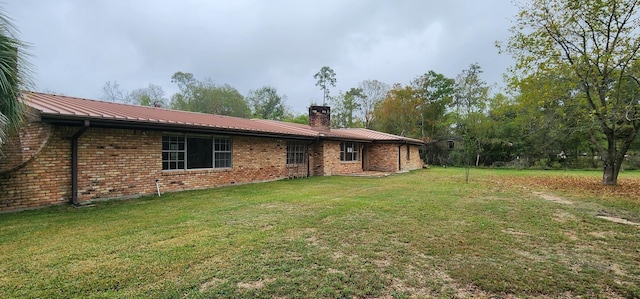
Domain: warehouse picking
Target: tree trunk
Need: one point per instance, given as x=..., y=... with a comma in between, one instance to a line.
x=610, y=172
x=466, y=173
x=610, y=175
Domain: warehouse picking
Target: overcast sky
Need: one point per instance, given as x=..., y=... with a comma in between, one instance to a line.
x=79, y=45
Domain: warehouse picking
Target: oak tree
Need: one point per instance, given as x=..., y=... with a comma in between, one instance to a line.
x=207, y=97
x=266, y=103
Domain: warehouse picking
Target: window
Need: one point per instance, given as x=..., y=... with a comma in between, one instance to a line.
x=222, y=152
x=349, y=151
x=195, y=152
x=296, y=152
x=172, y=152
x=199, y=151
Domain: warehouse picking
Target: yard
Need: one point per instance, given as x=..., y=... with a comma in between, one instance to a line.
x=423, y=234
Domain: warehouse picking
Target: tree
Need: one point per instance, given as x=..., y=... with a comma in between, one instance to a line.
x=298, y=119
x=15, y=73
x=549, y=114
x=470, y=100
x=345, y=107
x=207, y=97
x=112, y=92
x=265, y=103
x=418, y=110
x=373, y=92
x=597, y=42
x=326, y=78
x=397, y=113
x=503, y=137
x=152, y=95
x=187, y=84
x=435, y=93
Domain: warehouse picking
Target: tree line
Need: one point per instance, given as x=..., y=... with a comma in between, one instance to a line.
x=204, y=96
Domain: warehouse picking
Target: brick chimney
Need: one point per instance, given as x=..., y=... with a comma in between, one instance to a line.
x=320, y=117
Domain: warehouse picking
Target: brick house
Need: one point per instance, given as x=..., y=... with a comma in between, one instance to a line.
x=76, y=151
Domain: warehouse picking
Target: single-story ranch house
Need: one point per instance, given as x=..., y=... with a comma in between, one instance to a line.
x=74, y=150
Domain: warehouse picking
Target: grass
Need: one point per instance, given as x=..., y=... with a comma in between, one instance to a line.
x=422, y=234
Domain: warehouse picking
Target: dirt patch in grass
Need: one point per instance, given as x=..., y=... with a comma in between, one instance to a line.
x=212, y=283
x=563, y=217
x=516, y=233
x=618, y=220
x=255, y=284
x=553, y=198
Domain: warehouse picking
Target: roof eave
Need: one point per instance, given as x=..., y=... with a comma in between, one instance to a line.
x=162, y=126
x=402, y=141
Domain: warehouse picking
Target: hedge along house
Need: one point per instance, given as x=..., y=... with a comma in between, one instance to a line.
x=76, y=150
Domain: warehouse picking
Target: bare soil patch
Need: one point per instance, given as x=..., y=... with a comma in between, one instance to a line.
x=255, y=284
x=553, y=198
x=618, y=220
x=211, y=284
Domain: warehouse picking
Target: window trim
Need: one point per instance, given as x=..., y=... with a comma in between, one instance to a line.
x=354, y=154
x=296, y=153
x=184, y=140
x=174, y=152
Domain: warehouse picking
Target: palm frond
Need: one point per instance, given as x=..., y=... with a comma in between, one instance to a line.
x=15, y=76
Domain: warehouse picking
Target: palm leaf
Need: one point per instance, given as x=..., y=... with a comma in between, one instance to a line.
x=15, y=73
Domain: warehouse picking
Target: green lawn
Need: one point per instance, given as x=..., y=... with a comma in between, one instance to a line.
x=415, y=235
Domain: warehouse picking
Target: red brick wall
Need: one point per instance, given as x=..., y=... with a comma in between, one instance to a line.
x=315, y=159
x=414, y=161
x=254, y=160
x=331, y=160
x=24, y=145
x=45, y=179
x=384, y=157
x=116, y=163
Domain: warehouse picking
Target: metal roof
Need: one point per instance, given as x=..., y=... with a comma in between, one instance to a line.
x=375, y=135
x=58, y=108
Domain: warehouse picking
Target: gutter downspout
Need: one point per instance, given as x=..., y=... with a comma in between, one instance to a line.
x=74, y=163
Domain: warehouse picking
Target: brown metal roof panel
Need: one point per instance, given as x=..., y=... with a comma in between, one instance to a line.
x=76, y=107
x=72, y=107
x=286, y=127
x=375, y=135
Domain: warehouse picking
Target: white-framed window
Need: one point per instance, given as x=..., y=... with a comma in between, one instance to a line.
x=173, y=150
x=195, y=152
x=296, y=152
x=349, y=151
